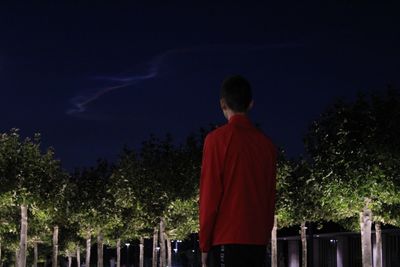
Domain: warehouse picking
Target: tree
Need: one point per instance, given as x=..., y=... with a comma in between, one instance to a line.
x=29, y=175
x=136, y=224
x=355, y=148
x=158, y=175
x=144, y=177
x=298, y=201
x=39, y=229
x=182, y=220
x=70, y=242
x=283, y=209
x=131, y=224
x=8, y=225
x=181, y=216
x=94, y=205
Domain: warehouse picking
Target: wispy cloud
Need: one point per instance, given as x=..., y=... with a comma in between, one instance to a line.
x=81, y=102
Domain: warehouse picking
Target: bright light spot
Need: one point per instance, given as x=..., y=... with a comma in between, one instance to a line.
x=127, y=244
x=176, y=250
x=158, y=248
x=193, y=250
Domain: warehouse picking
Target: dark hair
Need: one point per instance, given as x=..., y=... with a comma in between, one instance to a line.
x=236, y=91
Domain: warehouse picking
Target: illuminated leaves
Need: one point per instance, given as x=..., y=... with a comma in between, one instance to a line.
x=31, y=176
x=358, y=143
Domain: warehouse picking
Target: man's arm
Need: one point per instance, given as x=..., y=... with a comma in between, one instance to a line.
x=211, y=190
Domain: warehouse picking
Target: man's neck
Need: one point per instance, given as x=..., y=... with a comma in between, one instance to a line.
x=231, y=114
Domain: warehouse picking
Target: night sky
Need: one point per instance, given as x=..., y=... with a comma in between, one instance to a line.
x=92, y=78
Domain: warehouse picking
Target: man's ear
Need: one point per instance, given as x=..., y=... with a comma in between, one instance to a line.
x=223, y=104
x=250, y=105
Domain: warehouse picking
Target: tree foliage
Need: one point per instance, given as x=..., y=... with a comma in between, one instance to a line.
x=356, y=152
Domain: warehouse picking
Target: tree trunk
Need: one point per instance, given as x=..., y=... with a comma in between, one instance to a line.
x=16, y=257
x=78, y=256
x=155, y=243
x=88, y=246
x=100, y=250
x=304, y=244
x=141, y=252
x=23, y=237
x=55, y=247
x=0, y=256
x=69, y=261
x=119, y=253
x=169, y=251
x=35, y=254
x=163, y=255
x=378, y=236
x=366, y=246
x=274, y=244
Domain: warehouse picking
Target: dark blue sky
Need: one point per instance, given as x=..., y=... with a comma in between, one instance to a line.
x=92, y=78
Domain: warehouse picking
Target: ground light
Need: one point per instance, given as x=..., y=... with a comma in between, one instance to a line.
x=127, y=253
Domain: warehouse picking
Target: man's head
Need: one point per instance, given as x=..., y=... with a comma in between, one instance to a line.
x=236, y=96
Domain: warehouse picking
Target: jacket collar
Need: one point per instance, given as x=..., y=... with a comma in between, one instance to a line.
x=241, y=120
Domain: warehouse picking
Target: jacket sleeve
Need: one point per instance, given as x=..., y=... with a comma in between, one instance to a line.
x=211, y=190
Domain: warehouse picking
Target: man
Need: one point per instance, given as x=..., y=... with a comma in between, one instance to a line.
x=237, y=185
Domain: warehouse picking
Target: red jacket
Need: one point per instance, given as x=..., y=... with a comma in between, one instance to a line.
x=237, y=186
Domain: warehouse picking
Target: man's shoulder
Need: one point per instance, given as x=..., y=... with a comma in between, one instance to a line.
x=219, y=132
x=265, y=141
